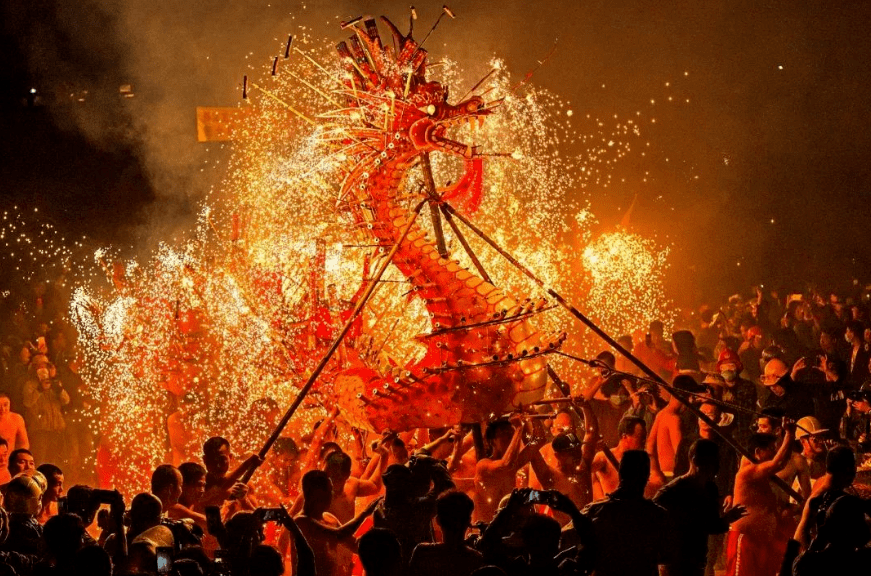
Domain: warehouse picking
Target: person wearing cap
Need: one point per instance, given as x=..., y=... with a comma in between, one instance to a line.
x=737, y=391
x=812, y=436
x=783, y=393
x=22, y=500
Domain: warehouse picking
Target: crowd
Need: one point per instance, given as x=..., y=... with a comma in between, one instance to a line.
x=748, y=458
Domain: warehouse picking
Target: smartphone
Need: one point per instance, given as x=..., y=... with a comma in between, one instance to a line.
x=164, y=559
x=538, y=497
x=62, y=507
x=271, y=514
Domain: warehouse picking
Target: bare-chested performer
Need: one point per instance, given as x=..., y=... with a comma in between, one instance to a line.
x=605, y=478
x=495, y=475
x=665, y=436
x=753, y=547
x=796, y=473
x=569, y=469
x=331, y=541
x=346, y=488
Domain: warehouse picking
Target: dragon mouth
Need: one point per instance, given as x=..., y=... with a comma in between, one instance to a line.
x=437, y=134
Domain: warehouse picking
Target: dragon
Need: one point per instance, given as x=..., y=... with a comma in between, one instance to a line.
x=484, y=357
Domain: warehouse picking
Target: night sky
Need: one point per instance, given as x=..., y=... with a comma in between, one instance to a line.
x=766, y=165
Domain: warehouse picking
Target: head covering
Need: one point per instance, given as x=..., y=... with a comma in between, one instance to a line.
x=156, y=537
x=565, y=443
x=809, y=426
x=728, y=356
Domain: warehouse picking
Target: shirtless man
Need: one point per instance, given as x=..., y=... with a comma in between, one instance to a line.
x=12, y=425
x=4, y=462
x=331, y=541
x=179, y=491
x=495, y=475
x=221, y=483
x=796, y=473
x=753, y=547
x=346, y=489
x=562, y=424
x=665, y=436
x=605, y=478
x=570, y=468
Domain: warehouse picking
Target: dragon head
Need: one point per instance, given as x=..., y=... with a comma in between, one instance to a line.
x=388, y=94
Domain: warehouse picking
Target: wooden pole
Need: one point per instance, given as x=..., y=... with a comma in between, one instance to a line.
x=616, y=345
x=429, y=182
x=332, y=349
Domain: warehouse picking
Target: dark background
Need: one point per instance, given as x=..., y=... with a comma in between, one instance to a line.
x=776, y=127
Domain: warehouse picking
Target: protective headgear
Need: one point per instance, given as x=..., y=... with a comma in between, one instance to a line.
x=809, y=426
x=23, y=495
x=728, y=356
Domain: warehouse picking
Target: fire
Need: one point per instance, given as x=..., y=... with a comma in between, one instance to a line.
x=222, y=319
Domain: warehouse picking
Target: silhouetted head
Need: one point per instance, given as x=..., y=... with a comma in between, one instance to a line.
x=454, y=512
x=634, y=470
x=705, y=457
x=380, y=553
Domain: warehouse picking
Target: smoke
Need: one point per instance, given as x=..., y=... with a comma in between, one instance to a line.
x=773, y=105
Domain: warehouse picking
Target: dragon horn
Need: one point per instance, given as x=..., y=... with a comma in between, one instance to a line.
x=397, y=35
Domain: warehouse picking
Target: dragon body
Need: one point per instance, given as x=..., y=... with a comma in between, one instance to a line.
x=483, y=356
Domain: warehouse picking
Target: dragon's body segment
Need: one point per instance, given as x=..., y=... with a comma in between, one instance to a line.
x=483, y=355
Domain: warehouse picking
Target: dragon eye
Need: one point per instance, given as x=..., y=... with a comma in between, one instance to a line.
x=431, y=109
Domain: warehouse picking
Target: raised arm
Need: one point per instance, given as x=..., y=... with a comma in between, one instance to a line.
x=318, y=440
x=591, y=434
x=781, y=459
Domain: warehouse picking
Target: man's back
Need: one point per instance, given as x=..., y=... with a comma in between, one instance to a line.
x=631, y=536
x=444, y=560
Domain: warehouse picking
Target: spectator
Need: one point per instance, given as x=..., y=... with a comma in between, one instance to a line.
x=380, y=553
x=64, y=536
x=22, y=501
x=630, y=531
x=750, y=353
x=737, y=391
x=785, y=394
x=858, y=356
x=409, y=504
x=812, y=436
x=166, y=483
x=454, y=515
x=55, y=478
x=693, y=504
x=44, y=398
x=20, y=460
x=4, y=462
